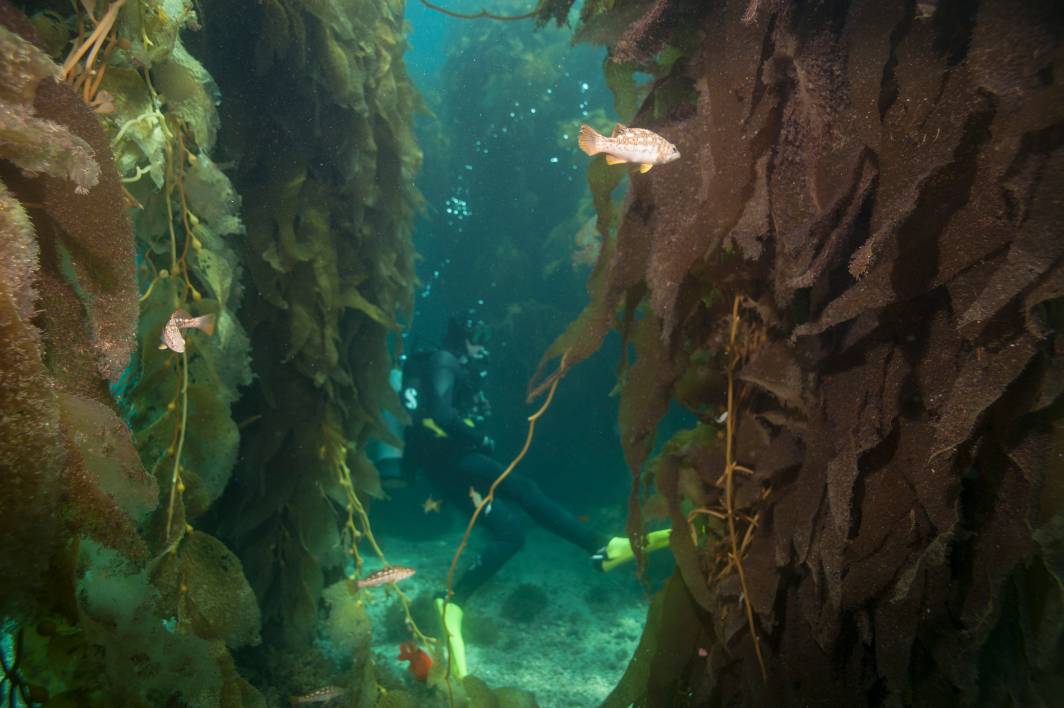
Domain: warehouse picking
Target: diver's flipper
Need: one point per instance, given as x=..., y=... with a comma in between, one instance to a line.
x=619, y=550
x=451, y=619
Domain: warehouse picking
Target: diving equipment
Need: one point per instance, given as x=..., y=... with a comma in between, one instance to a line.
x=386, y=457
x=619, y=550
x=451, y=619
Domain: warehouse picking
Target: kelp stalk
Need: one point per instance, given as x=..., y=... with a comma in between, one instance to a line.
x=176, y=485
x=91, y=78
x=729, y=485
x=482, y=15
x=487, y=499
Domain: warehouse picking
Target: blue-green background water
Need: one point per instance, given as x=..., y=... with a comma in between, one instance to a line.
x=505, y=191
x=501, y=172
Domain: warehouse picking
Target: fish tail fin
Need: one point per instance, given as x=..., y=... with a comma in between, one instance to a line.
x=206, y=324
x=589, y=140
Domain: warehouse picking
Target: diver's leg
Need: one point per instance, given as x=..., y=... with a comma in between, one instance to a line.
x=525, y=493
x=507, y=538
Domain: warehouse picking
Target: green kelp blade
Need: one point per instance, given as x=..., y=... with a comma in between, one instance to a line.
x=658, y=669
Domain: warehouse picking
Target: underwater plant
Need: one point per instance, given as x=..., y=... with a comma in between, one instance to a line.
x=117, y=590
x=860, y=300
x=318, y=128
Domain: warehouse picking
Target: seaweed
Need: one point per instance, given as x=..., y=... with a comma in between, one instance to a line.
x=325, y=173
x=888, y=427
x=119, y=594
x=67, y=464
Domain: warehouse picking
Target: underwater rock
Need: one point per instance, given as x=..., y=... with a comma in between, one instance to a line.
x=510, y=697
x=525, y=603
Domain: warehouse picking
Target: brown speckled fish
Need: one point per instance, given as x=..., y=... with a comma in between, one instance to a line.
x=638, y=145
x=171, y=337
x=318, y=695
x=386, y=576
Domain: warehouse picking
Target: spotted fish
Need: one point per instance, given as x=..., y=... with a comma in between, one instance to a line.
x=638, y=145
x=318, y=695
x=386, y=576
x=172, y=338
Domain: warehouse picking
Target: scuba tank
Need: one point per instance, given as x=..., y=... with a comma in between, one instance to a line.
x=387, y=458
x=397, y=470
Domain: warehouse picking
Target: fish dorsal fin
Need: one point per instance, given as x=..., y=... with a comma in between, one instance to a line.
x=645, y=167
x=611, y=160
x=618, y=129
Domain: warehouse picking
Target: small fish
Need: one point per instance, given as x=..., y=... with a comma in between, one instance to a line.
x=318, y=695
x=638, y=145
x=171, y=337
x=388, y=575
x=420, y=661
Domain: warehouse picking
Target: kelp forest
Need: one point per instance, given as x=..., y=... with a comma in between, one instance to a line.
x=825, y=347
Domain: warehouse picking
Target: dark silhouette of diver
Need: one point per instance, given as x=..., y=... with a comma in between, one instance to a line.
x=442, y=392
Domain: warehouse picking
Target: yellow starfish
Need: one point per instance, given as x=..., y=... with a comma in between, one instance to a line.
x=431, y=505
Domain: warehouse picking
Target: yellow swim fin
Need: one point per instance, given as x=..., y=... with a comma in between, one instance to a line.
x=451, y=619
x=619, y=550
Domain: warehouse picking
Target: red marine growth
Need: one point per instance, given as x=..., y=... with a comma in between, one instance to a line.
x=420, y=661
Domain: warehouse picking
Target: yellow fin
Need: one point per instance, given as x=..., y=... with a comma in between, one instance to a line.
x=645, y=167
x=611, y=160
x=434, y=427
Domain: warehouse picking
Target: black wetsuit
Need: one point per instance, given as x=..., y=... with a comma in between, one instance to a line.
x=446, y=392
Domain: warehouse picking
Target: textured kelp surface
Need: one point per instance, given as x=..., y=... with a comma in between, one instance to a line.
x=318, y=111
x=877, y=193
x=107, y=578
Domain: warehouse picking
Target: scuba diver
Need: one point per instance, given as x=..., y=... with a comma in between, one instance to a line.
x=442, y=392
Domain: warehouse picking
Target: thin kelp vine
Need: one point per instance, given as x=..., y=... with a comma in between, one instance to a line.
x=873, y=186
x=482, y=14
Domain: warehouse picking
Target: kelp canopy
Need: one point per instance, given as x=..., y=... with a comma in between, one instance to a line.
x=854, y=277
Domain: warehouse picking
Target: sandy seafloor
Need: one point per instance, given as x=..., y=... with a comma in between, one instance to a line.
x=570, y=653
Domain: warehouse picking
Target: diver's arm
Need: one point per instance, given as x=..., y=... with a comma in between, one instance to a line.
x=445, y=368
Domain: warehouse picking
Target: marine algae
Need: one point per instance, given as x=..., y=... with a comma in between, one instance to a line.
x=326, y=178
x=887, y=404
x=105, y=595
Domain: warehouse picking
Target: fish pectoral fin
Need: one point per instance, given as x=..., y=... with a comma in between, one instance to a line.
x=612, y=160
x=645, y=167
